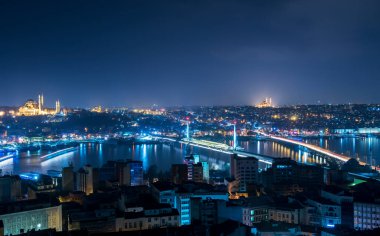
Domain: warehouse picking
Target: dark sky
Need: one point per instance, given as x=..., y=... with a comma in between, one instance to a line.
x=138, y=53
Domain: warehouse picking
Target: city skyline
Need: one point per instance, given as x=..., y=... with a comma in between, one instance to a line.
x=201, y=117
x=190, y=53
x=266, y=102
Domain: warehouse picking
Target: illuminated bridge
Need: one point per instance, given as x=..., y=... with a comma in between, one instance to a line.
x=221, y=147
x=58, y=153
x=311, y=147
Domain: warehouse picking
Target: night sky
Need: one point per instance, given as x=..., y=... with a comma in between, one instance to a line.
x=139, y=53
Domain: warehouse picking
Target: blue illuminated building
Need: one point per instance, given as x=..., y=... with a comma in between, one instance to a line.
x=134, y=173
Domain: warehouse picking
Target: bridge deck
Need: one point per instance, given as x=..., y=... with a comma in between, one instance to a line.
x=221, y=147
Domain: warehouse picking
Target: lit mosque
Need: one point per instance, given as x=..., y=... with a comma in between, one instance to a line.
x=266, y=103
x=33, y=108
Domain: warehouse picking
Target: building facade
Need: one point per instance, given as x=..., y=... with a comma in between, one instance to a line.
x=244, y=170
x=143, y=219
x=366, y=216
x=38, y=219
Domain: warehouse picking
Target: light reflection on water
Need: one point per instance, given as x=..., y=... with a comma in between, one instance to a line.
x=163, y=155
x=363, y=148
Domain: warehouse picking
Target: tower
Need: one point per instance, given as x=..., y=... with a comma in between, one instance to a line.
x=42, y=101
x=235, y=139
x=39, y=104
x=57, y=107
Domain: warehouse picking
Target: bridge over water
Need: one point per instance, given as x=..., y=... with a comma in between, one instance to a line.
x=221, y=147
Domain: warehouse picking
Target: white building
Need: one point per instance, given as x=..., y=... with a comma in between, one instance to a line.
x=38, y=219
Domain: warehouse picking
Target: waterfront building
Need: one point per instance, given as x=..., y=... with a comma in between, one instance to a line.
x=134, y=173
x=244, y=170
x=128, y=173
x=287, y=177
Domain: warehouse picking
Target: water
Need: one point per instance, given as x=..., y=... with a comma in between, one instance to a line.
x=163, y=155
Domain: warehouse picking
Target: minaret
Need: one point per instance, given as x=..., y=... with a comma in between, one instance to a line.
x=57, y=107
x=39, y=104
x=42, y=101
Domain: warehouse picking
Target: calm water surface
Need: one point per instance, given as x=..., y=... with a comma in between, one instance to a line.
x=163, y=155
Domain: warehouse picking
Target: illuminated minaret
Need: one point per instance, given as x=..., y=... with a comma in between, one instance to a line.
x=39, y=104
x=57, y=107
x=42, y=101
